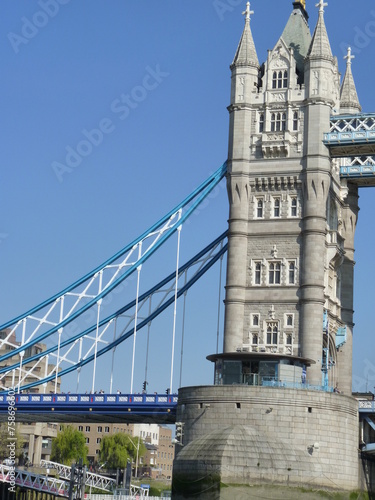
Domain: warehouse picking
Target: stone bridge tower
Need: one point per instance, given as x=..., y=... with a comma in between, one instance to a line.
x=281, y=406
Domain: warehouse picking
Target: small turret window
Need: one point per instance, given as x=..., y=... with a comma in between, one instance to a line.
x=295, y=120
x=285, y=80
x=273, y=122
x=283, y=122
x=261, y=123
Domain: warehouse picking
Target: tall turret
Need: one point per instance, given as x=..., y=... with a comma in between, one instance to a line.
x=245, y=75
x=349, y=102
x=272, y=415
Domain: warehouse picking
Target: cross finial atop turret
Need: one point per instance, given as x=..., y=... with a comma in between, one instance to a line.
x=349, y=57
x=321, y=5
x=247, y=13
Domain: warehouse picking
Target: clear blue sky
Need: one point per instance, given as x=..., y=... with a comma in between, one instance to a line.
x=64, y=70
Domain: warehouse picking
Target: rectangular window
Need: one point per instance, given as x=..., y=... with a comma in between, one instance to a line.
x=259, y=212
x=100, y=428
x=255, y=320
x=87, y=428
x=98, y=440
x=80, y=428
x=272, y=333
x=292, y=273
x=276, y=207
x=274, y=274
x=289, y=320
x=258, y=272
x=293, y=207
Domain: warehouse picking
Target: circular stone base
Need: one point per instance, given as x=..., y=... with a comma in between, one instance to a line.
x=243, y=435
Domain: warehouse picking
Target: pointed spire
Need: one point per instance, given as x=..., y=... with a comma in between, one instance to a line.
x=297, y=34
x=349, y=102
x=246, y=54
x=320, y=47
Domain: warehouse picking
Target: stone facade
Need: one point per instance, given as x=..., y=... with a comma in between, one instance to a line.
x=257, y=435
x=289, y=285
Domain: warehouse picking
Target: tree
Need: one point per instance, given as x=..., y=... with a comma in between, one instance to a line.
x=117, y=449
x=69, y=446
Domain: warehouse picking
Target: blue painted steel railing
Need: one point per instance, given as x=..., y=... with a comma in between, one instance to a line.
x=140, y=404
x=361, y=137
x=365, y=406
x=358, y=171
x=273, y=382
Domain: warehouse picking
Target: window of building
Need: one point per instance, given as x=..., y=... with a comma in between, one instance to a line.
x=259, y=209
x=255, y=339
x=87, y=440
x=274, y=274
x=276, y=207
x=272, y=333
x=258, y=272
x=289, y=320
x=261, y=123
x=87, y=428
x=292, y=273
x=293, y=207
x=280, y=79
x=295, y=120
x=285, y=79
x=274, y=80
x=100, y=428
x=289, y=339
x=97, y=452
x=80, y=428
x=278, y=122
x=106, y=429
x=255, y=320
x=98, y=440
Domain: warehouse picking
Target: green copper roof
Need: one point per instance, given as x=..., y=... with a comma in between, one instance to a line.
x=297, y=35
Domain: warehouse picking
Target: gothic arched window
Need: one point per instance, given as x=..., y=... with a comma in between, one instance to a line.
x=259, y=209
x=285, y=79
x=274, y=80
x=261, y=123
x=274, y=275
x=283, y=122
x=272, y=331
x=273, y=122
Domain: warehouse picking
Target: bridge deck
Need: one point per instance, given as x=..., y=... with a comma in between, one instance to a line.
x=131, y=408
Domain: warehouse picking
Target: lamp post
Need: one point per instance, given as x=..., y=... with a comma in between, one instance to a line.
x=136, y=460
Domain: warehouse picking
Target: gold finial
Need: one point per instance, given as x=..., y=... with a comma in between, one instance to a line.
x=303, y=2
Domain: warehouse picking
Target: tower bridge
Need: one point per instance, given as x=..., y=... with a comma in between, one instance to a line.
x=281, y=409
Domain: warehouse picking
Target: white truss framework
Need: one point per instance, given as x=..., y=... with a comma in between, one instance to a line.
x=90, y=343
x=26, y=479
x=93, y=480
x=357, y=123
x=43, y=343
